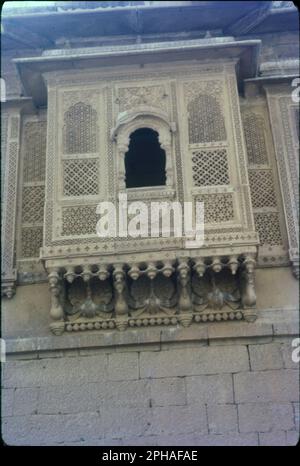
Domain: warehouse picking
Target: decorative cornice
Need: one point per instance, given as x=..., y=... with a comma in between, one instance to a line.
x=31, y=69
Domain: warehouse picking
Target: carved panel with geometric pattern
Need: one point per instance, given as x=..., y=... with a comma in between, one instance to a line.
x=33, y=200
x=131, y=97
x=205, y=120
x=210, y=167
x=218, y=208
x=268, y=227
x=255, y=138
x=80, y=129
x=80, y=177
x=79, y=220
x=262, y=188
x=35, y=147
x=32, y=193
x=31, y=240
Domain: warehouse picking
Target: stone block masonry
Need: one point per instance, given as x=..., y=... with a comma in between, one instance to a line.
x=175, y=395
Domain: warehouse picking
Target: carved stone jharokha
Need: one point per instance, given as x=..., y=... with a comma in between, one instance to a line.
x=168, y=292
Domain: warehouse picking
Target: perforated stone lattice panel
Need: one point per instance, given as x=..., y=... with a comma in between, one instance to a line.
x=35, y=151
x=262, y=188
x=4, y=134
x=263, y=183
x=268, y=227
x=80, y=129
x=210, y=167
x=32, y=239
x=80, y=177
x=255, y=138
x=205, y=120
x=217, y=207
x=33, y=189
x=33, y=204
x=79, y=220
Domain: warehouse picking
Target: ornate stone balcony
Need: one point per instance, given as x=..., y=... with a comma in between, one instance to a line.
x=88, y=295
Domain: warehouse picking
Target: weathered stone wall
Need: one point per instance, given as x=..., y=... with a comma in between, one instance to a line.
x=210, y=385
x=231, y=383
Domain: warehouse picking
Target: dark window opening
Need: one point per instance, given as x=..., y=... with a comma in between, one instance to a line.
x=145, y=161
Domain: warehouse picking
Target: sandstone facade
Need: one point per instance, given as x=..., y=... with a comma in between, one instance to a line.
x=152, y=341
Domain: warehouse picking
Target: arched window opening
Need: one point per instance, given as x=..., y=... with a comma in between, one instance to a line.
x=145, y=160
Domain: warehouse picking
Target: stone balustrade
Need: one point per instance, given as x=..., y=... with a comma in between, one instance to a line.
x=88, y=296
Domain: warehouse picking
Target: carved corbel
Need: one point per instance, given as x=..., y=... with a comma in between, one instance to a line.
x=8, y=288
x=56, y=310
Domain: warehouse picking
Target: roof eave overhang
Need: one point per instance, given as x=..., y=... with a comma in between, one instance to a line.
x=31, y=69
x=254, y=86
x=11, y=104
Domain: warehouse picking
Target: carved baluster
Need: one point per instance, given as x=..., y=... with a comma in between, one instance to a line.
x=56, y=310
x=134, y=272
x=167, y=269
x=151, y=271
x=121, y=307
x=216, y=265
x=184, y=302
x=70, y=274
x=86, y=273
x=102, y=273
x=233, y=264
x=248, y=292
x=88, y=308
x=200, y=267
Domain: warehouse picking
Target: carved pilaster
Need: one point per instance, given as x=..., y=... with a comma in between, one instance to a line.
x=10, y=154
x=286, y=144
